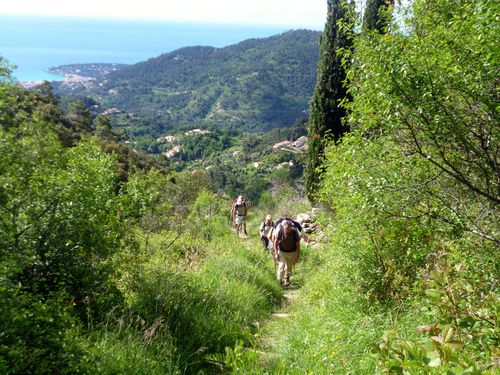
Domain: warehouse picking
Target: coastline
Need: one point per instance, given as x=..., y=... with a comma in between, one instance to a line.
x=65, y=79
x=35, y=43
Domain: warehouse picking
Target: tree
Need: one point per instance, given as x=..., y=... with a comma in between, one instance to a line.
x=415, y=184
x=373, y=19
x=5, y=70
x=59, y=229
x=326, y=110
x=103, y=128
x=432, y=91
x=80, y=117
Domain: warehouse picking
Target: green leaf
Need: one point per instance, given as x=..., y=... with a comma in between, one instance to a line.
x=433, y=294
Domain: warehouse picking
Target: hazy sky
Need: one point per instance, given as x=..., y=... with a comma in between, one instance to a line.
x=292, y=13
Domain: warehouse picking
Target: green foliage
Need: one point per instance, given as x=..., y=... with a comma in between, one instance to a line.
x=374, y=17
x=211, y=304
x=239, y=359
x=289, y=201
x=48, y=197
x=208, y=217
x=59, y=229
x=203, y=146
x=426, y=91
x=102, y=277
x=461, y=298
x=103, y=127
x=5, y=70
x=132, y=348
x=178, y=275
x=234, y=177
x=267, y=202
x=159, y=202
x=251, y=169
x=142, y=193
x=145, y=276
x=80, y=117
x=367, y=185
x=39, y=336
x=413, y=188
x=333, y=324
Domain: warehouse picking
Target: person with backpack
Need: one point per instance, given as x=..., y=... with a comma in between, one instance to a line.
x=239, y=213
x=266, y=232
x=296, y=225
x=286, y=250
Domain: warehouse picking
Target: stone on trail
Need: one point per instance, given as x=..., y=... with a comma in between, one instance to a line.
x=280, y=315
x=304, y=218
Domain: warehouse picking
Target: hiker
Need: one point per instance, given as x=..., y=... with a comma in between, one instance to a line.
x=286, y=250
x=266, y=231
x=296, y=225
x=239, y=213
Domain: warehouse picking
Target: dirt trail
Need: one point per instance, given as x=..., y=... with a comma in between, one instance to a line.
x=278, y=321
x=270, y=329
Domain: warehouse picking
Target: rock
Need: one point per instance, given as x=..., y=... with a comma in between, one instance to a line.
x=174, y=151
x=280, y=315
x=304, y=218
x=285, y=164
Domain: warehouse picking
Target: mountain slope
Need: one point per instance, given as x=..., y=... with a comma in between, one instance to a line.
x=257, y=84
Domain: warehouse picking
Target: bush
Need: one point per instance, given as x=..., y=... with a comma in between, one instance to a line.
x=38, y=336
x=59, y=230
x=411, y=187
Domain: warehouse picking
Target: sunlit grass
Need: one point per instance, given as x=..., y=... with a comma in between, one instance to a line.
x=332, y=326
x=208, y=289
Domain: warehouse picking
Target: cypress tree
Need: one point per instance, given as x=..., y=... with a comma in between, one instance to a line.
x=372, y=19
x=325, y=112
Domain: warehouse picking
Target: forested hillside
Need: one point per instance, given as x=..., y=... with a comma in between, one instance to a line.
x=258, y=84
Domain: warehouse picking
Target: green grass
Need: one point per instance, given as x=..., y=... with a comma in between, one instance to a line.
x=332, y=326
x=199, y=306
x=196, y=306
x=125, y=350
x=204, y=295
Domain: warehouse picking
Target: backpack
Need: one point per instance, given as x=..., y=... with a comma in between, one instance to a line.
x=267, y=229
x=240, y=209
x=270, y=233
x=295, y=236
x=296, y=224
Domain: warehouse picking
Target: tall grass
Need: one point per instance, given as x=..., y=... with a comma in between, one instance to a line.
x=194, y=304
x=332, y=326
x=126, y=349
x=190, y=297
x=187, y=297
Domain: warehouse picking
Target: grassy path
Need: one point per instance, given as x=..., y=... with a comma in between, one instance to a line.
x=272, y=329
x=271, y=343
x=323, y=325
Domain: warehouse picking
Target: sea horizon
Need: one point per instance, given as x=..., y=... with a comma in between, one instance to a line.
x=36, y=44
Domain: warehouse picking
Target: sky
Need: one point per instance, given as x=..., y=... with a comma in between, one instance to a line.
x=309, y=14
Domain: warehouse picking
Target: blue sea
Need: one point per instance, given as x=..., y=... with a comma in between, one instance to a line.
x=35, y=44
